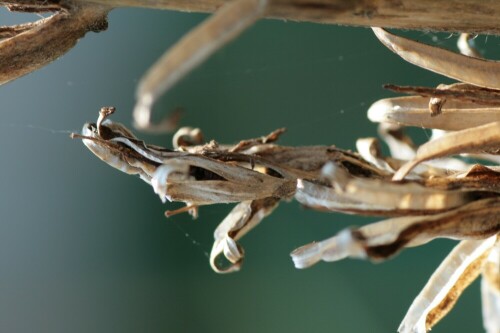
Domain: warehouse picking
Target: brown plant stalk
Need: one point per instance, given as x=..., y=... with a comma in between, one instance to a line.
x=25, y=48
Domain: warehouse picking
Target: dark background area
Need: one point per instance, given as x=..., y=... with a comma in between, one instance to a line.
x=85, y=248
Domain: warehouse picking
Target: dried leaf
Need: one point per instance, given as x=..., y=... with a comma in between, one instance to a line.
x=440, y=293
x=480, y=72
x=244, y=217
x=484, y=138
x=476, y=220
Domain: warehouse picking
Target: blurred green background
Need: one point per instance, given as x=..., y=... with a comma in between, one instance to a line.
x=85, y=248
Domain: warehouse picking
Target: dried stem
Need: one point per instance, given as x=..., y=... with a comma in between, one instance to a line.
x=37, y=44
x=472, y=16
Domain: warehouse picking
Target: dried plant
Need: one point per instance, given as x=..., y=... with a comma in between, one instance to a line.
x=425, y=193
x=426, y=198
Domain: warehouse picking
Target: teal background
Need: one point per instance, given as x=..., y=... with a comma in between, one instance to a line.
x=84, y=248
